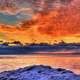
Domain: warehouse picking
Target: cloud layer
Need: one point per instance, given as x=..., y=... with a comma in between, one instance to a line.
x=15, y=6
x=53, y=20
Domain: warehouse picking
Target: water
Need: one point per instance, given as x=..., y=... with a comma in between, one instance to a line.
x=10, y=62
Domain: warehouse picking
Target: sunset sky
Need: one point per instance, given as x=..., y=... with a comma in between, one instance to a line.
x=40, y=21
x=45, y=21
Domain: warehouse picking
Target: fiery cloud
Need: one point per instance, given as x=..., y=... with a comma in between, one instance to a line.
x=50, y=23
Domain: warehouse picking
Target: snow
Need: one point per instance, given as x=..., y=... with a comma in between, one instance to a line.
x=39, y=72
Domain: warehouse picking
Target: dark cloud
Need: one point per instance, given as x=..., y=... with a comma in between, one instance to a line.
x=14, y=6
x=66, y=1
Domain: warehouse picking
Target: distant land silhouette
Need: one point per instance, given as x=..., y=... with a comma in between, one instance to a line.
x=17, y=47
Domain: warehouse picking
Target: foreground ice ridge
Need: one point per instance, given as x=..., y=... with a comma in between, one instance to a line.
x=39, y=72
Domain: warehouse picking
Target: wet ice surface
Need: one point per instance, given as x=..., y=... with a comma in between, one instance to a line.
x=39, y=72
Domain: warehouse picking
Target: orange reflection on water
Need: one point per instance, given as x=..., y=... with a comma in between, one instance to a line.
x=13, y=62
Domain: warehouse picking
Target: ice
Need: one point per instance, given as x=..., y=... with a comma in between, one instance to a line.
x=39, y=72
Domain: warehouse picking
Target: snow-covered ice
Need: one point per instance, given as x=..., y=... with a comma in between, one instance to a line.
x=39, y=72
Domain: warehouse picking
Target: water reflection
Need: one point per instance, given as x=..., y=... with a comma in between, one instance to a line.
x=13, y=62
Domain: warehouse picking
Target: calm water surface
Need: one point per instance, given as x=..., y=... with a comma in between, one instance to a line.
x=9, y=62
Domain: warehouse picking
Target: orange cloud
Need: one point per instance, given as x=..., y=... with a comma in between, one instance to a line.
x=59, y=24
